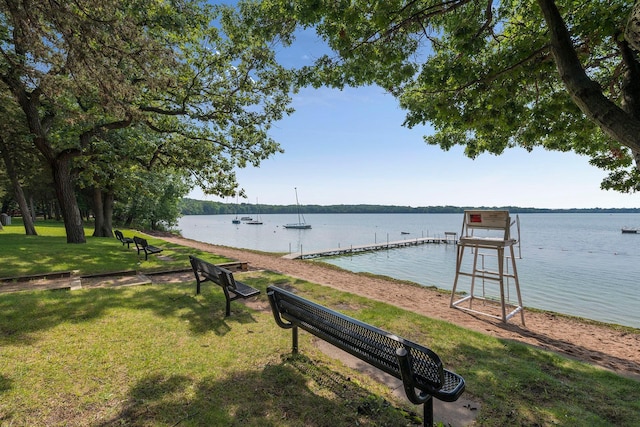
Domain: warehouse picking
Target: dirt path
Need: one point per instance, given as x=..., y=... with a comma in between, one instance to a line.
x=602, y=346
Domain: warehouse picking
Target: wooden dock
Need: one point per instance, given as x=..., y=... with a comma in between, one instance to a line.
x=373, y=247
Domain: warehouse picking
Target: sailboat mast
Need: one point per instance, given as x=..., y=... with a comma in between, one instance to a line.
x=297, y=204
x=301, y=224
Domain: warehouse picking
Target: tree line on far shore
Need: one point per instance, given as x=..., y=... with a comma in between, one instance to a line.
x=207, y=207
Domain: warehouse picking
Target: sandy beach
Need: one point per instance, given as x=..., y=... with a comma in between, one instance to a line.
x=600, y=345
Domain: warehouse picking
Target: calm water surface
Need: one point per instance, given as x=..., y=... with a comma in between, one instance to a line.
x=578, y=264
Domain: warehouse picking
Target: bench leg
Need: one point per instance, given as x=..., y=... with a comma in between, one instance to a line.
x=227, y=298
x=428, y=413
x=294, y=340
x=228, y=309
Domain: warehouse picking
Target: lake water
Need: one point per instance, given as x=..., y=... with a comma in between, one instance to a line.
x=578, y=264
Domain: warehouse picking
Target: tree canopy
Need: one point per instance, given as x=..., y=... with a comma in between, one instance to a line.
x=197, y=76
x=489, y=75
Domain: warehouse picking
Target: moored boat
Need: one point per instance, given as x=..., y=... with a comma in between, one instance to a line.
x=301, y=224
x=236, y=220
x=256, y=221
x=630, y=230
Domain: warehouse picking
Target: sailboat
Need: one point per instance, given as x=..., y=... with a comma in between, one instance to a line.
x=256, y=221
x=301, y=224
x=236, y=220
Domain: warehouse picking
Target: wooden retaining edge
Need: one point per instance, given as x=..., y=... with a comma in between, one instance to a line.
x=45, y=276
x=56, y=280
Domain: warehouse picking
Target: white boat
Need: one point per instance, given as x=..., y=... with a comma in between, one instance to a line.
x=301, y=224
x=256, y=221
x=236, y=220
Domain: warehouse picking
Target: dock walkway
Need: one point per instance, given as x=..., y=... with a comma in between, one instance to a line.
x=372, y=247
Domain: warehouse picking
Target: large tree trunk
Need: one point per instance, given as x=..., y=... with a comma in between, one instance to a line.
x=27, y=218
x=60, y=162
x=107, y=205
x=32, y=205
x=67, y=199
x=586, y=93
x=97, y=212
x=58, y=214
x=103, y=211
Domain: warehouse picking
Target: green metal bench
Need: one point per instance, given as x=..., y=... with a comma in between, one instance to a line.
x=205, y=271
x=418, y=367
x=142, y=245
x=124, y=240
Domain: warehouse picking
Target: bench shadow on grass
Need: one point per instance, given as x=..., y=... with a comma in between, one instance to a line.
x=26, y=313
x=204, y=313
x=277, y=394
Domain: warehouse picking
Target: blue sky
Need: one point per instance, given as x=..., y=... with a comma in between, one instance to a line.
x=349, y=147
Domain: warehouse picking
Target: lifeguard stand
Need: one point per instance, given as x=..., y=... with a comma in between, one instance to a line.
x=495, y=226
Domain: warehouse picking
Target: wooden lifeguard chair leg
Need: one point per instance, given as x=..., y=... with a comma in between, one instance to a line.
x=503, y=306
x=458, y=266
x=476, y=252
x=517, y=284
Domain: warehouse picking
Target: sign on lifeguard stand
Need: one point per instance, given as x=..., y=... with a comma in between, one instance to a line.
x=485, y=231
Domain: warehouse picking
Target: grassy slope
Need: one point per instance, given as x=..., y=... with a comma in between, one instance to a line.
x=49, y=252
x=159, y=355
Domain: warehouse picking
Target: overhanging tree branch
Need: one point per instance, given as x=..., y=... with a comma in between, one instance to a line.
x=586, y=93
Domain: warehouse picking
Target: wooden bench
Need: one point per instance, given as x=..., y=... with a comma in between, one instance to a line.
x=142, y=245
x=222, y=277
x=120, y=236
x=418, y=367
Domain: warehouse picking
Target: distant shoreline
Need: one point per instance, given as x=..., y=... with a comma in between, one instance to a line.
x=206, y=207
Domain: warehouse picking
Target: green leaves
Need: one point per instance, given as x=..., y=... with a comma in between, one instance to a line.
x=155, y=85
x=483, y=73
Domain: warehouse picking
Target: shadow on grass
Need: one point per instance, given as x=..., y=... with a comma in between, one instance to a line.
x=279, y=394
x=25, y=314
x=5, y=383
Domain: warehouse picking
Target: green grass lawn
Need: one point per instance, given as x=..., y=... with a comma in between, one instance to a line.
x=158, y=355
x=49, y=252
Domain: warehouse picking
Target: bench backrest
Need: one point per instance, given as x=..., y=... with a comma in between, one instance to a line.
x=375, y=346
x=221, y=276
x=139, y=241
x=227, y=278
x=208, y=269
x=119, y=235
